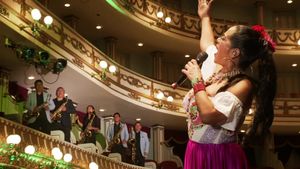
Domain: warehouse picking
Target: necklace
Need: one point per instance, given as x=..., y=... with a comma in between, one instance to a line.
x=219, y=76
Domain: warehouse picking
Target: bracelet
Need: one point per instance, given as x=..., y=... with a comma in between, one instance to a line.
x=195, y=81
x=198, y=87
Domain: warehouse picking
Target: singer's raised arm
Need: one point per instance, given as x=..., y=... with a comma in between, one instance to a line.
x=207, y=37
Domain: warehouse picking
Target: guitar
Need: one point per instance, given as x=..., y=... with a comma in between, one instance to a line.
x=31, y=116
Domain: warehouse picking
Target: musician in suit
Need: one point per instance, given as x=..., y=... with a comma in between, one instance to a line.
x=90, y=125
x=117, y=136
x=141, y=144
x=65, y=108
x=39, y=101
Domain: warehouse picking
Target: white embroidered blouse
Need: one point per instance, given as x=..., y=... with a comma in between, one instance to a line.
x=225, y=102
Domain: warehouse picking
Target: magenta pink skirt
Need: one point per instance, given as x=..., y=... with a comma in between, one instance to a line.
x=214, y=156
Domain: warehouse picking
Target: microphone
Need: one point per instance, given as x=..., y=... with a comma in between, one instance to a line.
x=201, y=57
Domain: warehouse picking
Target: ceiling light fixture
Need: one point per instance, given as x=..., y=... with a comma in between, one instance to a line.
x=243, y=131
x=13, y=139
x=98, y=27
x=290, y=1
x=187, y=56
x=170, y=99
x=160, y=96
x=138, y=119
x=103, y=64
x=68, y=158
x=294, y=65
x=67, y=5
x=298, y=42
x=30, y=77
x=104, y=69
x=112, y=68
x=160, y=14
x=93, y=165
x=168, y=19
x=162, y=18
x=140, y=44
x=30, y=149
x=101, y=110
x=36, y=27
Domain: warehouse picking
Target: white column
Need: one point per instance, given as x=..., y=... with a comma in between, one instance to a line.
x=105, y=122
x=157, y=139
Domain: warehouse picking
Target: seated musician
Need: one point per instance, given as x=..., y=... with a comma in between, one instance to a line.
x=61, y=115
x=39, y=104
x=90, y=126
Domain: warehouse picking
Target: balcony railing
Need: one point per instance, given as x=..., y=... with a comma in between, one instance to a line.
x=189, y=25
x=44, y=144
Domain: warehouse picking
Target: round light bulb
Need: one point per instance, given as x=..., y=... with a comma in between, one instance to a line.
x=93, y=165
x=160, y=95
x=103, y=64
x=67, y=5
x=67, y=158
x=48, y=20
x=55, y=150
x=298, y=42
x=36, y=14
x=13, y=139
x=170, y=99
x=29, y=149
x=167, y=19
x=160, y=14
x=58, y=155
x=30, y=77
x=112, y=68
x=98, y=27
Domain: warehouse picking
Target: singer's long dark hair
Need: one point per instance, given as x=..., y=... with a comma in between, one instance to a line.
x=254, y=48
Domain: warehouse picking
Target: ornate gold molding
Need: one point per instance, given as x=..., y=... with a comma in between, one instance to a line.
x=67, y=43
x=188, y=25
x=3, y=11
x=44, y=144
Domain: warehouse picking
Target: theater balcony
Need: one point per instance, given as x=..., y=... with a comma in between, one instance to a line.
x=108, y=69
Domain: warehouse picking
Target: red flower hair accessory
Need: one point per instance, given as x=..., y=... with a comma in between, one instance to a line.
x=261, y=29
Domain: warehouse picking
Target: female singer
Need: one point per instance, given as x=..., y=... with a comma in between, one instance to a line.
x=217, y=105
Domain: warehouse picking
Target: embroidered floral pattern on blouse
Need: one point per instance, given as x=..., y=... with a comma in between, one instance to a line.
x=193, y=111
x=194, y=119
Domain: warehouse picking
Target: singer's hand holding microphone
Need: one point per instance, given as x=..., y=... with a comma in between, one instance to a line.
x=191, y=70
